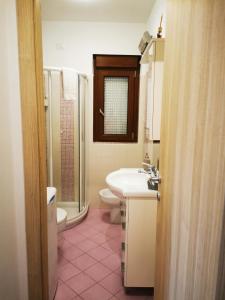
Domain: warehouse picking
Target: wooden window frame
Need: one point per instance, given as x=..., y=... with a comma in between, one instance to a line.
x=116, y=66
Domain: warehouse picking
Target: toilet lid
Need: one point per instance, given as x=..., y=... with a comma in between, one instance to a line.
x=61, y=215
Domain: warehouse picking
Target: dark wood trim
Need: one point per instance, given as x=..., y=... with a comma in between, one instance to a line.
x=116, y=66
x=116, y=61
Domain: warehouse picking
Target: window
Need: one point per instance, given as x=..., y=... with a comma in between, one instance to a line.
x=116, y=90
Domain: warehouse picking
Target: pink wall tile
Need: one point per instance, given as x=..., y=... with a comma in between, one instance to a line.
x=67, y=149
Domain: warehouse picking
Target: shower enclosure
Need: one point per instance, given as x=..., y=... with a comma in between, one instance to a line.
x=65, y=126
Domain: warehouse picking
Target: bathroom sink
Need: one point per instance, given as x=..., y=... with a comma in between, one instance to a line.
x=130, y=183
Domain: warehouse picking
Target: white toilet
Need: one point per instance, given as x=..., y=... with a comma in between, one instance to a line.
x=61, y=214
x=109, y=198
x=61, y=219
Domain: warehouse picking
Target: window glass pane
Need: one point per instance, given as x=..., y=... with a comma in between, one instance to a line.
x=115, y=105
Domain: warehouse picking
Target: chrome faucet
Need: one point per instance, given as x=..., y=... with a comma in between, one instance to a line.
x=154, y=178
x=148, y=169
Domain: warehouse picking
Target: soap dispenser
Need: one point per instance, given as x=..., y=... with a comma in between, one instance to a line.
x=146, y=162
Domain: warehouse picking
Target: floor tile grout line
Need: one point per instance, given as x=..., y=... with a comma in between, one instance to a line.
x=69, y=277
x=102, y=277
x=96, y=261
x=87, y=267
x=87, y=238
x=98, y=245
x=76, y=294
x=95, y=282
x=87, y=252
x=84, y=289
x=110, y=291
x=92, y=287
x=98, y=220
x=83, y=271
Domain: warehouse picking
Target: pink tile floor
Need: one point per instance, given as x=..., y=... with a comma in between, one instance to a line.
x=89, y=261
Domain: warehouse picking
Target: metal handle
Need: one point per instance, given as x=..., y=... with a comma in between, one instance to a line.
x=158, y=196
x=155, y=179
x=101, y=112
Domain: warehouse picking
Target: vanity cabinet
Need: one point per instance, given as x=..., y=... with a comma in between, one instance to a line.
x=138, y=241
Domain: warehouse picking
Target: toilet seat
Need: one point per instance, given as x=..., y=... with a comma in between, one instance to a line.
x=61, y=219
x=108, y=197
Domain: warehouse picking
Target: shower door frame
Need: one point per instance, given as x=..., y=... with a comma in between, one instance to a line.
x=54, y=135
x=34, y=145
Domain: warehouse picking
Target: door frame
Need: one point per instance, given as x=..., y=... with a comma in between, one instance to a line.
x=34, y=145
x=35, y=169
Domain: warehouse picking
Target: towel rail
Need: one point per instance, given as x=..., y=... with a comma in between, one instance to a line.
x=47, y=68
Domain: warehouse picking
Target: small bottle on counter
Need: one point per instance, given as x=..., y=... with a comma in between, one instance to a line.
x=146, y=161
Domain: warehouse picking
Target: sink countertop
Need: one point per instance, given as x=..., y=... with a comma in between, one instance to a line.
x=129, y=183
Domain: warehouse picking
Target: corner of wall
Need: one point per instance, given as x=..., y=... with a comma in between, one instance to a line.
x=158, y=10
x=12, y=228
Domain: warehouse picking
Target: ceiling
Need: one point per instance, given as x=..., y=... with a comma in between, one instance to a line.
x=97, y=10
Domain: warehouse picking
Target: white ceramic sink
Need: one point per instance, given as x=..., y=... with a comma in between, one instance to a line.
x=130, y=182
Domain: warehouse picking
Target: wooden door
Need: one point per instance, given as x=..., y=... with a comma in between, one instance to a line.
x=34, y=145
x=190, y=229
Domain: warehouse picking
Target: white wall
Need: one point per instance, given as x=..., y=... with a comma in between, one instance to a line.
x=158, y=9
x=71, y=44
x=13, y=265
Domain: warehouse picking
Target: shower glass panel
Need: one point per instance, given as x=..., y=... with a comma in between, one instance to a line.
x=82, y=93
x=65, y=123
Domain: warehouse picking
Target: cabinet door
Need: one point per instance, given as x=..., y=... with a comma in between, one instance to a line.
x=150, y=101
x=157, y=100
x=154, y=91
x=141, y=239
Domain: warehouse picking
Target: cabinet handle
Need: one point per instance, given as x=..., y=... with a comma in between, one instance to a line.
x=122, y=267
x=122, y=213
x=123, y=246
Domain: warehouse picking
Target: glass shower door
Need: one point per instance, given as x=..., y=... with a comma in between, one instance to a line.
x=82, y=97
x=65, y=121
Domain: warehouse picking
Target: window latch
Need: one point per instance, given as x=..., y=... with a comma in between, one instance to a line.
x=101, y=112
